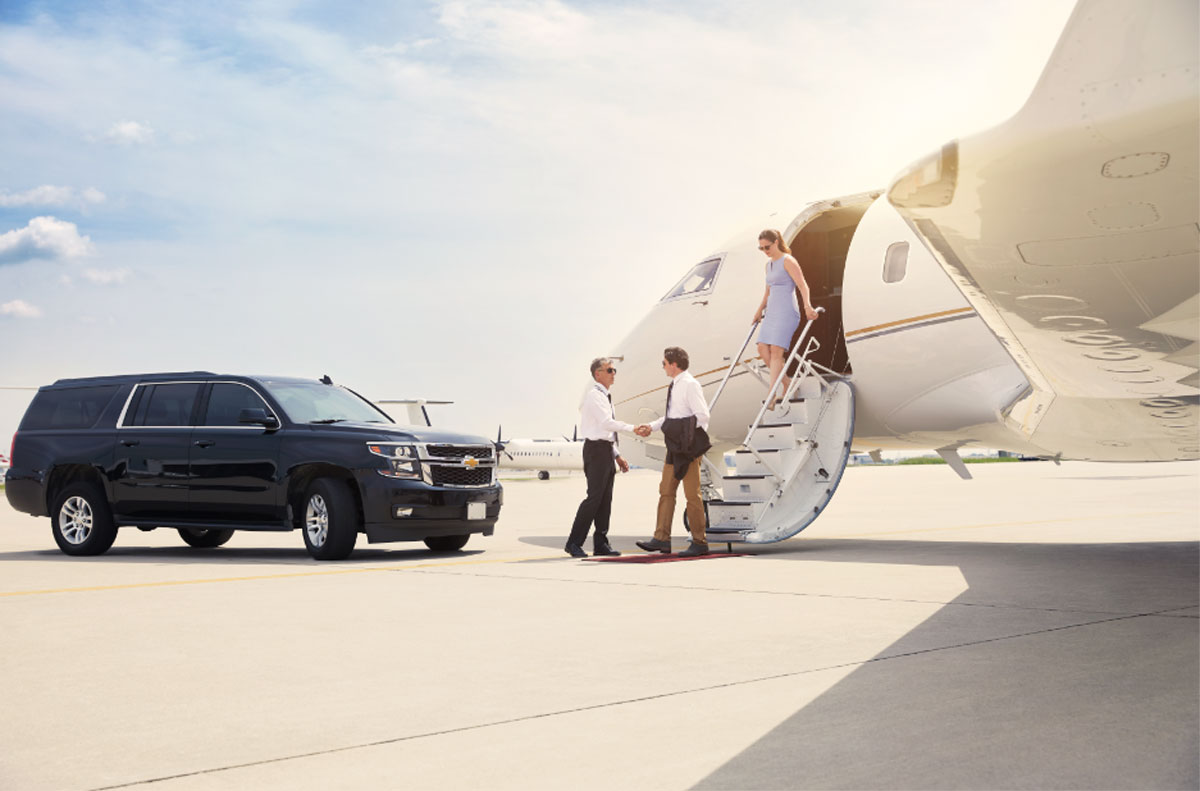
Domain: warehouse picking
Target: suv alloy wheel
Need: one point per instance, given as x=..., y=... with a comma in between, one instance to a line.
x=330, y=517
x=81, y=520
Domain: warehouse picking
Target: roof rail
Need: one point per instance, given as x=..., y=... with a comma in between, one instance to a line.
x=127, y=377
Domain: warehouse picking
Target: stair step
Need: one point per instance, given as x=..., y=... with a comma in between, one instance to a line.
x=773, y=436
x=725, y=516
x=747, y=488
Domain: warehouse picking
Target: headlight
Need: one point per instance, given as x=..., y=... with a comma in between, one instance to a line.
x=401, y=459
x=391, y=450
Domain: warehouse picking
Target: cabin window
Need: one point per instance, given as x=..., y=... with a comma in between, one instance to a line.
x=699, y=280
x=895, y=262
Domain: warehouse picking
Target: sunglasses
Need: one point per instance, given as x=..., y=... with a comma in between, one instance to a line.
x=611, y=370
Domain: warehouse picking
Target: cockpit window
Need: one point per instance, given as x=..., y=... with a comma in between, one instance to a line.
x=699, y=280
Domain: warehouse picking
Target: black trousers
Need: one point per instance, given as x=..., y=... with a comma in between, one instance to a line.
x=600, y=469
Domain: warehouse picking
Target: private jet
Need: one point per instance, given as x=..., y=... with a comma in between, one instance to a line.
x=1032, y=288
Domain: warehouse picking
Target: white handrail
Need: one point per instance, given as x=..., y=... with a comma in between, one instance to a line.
x=775, y=385
x=734, y=363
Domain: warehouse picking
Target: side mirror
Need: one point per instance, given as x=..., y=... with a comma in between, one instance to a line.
x=258, y=417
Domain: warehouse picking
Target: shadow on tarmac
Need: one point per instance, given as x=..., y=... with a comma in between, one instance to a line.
x=235, y=556
x=1061, y=666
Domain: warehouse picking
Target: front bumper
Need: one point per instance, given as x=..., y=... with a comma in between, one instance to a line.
x=435, y=511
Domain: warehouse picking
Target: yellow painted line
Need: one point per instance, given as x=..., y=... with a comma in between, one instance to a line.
x=910, y=321
x=253, y=577
x=1006, y=524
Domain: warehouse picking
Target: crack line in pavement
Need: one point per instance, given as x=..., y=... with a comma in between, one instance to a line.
x=613, y=704
x=800, y=594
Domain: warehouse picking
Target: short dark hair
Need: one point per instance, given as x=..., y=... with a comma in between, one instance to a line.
x=597, y=364
x=676, y=356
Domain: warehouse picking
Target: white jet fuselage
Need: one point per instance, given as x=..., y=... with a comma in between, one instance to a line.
x=1031, y=288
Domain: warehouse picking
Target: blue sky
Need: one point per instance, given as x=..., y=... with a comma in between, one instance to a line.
x=459, y=200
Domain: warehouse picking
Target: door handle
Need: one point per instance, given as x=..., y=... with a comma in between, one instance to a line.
x=204, y=443
x=129, y=443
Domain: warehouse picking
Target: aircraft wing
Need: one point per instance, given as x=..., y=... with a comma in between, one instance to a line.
x=1074, y=230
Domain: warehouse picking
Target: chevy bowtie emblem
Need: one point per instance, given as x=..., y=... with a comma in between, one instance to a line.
x=471, y=461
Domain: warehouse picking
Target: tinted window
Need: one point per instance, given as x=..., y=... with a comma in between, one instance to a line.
x=78, y=407
x=166, y=405
x=697, y=281
x=227, y=401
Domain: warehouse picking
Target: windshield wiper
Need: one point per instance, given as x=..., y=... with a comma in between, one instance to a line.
x=325, y=421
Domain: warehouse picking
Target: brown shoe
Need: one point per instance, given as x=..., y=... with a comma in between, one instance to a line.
x=694, y=550
x=654, y=545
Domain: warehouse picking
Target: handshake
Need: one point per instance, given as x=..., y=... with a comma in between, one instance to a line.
x=642, y=430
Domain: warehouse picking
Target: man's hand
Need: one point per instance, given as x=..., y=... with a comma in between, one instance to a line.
x=642, y=430
x=624, y=465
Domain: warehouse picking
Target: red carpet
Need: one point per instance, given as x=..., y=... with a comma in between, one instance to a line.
x=658, y=557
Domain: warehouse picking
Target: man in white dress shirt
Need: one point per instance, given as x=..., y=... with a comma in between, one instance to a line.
x=685, y=401
x=599, y=427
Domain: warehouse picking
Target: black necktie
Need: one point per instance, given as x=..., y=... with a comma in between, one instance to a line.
x=613, y=415
x=670, y=387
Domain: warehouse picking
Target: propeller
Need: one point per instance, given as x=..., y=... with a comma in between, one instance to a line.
x=501, y=443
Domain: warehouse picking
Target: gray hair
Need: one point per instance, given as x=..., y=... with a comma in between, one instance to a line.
x=599, y=363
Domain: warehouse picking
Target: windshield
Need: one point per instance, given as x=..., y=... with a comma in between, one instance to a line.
x=698, y=280
x=313, y=402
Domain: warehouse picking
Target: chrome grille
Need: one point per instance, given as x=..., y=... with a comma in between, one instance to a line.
x=460, y=476
x=482, y=452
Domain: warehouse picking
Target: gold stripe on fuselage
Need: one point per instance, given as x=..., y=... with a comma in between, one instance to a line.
x=912, y=320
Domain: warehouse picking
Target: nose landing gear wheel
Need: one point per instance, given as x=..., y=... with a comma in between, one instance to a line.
x=204, y=539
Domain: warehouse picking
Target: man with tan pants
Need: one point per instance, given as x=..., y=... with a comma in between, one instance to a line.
x=684, y=426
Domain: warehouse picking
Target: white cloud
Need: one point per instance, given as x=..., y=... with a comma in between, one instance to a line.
x=50, y=195
x=19, y=309
x=106, y=277
x=43, y=237
x=129, y=133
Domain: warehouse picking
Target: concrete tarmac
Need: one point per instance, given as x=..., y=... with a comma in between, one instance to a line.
x=1033, y=628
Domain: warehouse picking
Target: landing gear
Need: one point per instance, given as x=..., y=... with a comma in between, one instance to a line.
x=543, y=475
x=204, y=538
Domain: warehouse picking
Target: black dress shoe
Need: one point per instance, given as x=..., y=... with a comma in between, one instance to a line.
x=654, y=545
x=605, y=551
x=694, y=550
x=575, y=551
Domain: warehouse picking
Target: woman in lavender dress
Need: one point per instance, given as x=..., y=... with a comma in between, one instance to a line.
x=779, y=313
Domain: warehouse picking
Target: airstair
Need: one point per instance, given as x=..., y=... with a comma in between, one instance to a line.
x=792, y=458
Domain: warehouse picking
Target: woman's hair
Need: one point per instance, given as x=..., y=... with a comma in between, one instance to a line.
x=770, y=235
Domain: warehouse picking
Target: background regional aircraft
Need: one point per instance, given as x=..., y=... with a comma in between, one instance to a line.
x=1033, y=287
x=540, y=455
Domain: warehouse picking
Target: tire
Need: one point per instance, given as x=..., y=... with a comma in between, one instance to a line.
x=202, y=538
x=447, y=543
x=543, y=475
x=81, y=520
x=687, y=523
x=330, y=519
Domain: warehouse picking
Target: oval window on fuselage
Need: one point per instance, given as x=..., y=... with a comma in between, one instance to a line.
x=895, y=262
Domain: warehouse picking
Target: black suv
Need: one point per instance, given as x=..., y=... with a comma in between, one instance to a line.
x=209, y=454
